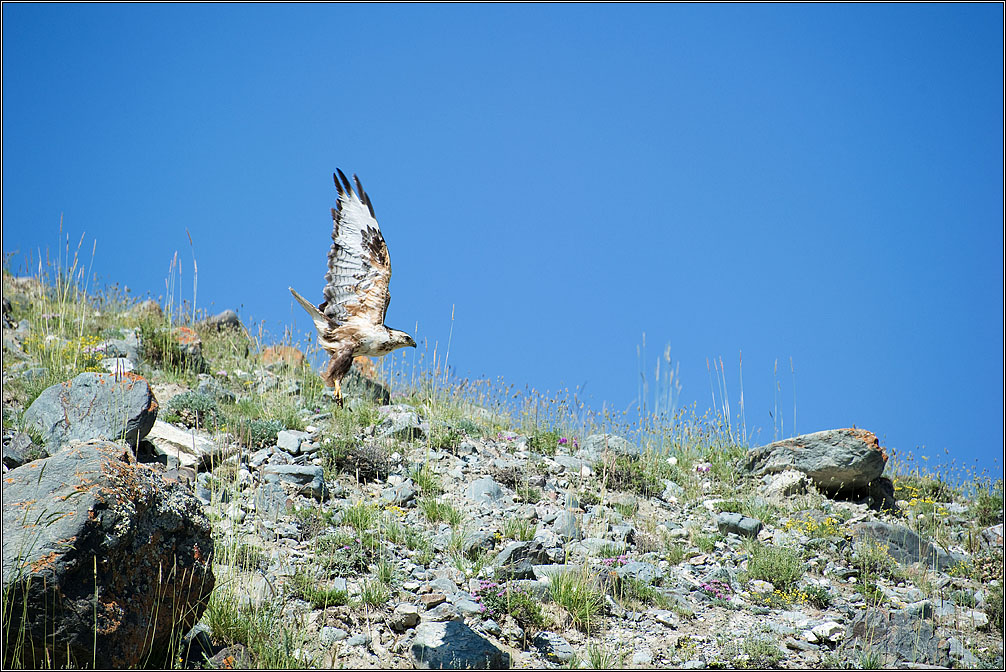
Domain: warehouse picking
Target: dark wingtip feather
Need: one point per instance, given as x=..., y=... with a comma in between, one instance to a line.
x=345, y=181
x=364, y=197
x=338, y=187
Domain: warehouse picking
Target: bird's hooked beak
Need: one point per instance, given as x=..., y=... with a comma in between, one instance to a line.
x=410, y=342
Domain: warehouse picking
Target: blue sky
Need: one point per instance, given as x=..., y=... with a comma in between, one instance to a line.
x=815, y=182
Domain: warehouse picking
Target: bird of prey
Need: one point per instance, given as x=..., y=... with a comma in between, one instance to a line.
x=350, y=321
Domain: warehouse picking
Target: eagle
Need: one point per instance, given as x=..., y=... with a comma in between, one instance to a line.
x=350, y=321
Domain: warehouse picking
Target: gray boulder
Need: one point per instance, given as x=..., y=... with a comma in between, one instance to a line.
x=227, y=319
x=897, y=636
x=517, y=559
x=596, y=445
x=306, y=479
x=358, y=386
x=400, y=422
x=837, y=460
x=739, y=524
x=905, y=546
x=94, y=406
x=554, y=647
x=104, y=560
x=455, y=646
x=484, y=490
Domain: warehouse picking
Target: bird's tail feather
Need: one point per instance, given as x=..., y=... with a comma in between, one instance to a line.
x=319, y=320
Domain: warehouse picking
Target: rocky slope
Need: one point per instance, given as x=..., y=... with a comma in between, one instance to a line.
x=435, y=532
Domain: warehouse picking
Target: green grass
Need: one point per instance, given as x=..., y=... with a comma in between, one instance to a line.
x=307, y=587
x=361, y=516
x=577, y=593
x=782, y=567
x=518, y=529
x=426, y=481
x=375, y=593
x=437, y=511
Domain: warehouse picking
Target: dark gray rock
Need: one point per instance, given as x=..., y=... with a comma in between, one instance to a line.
x=455, y=646
x=897, y=636
x=554, y=647
x=837, y=460
x=566, y=526
x=403, y=494
x=289, y=440
x=640, y=571
x=271, y=501
x=517, y=559
x=21, y=450
x=103, y=559
x=484, y=490
x=358, y=386
x=128, y=347
x=227, y=319
x=596, y=445
x=307, y=480
x=94, y=406
x=906, y=546
x=477, y=542
x=404, y=616
x=739, y=524
x=400, y=422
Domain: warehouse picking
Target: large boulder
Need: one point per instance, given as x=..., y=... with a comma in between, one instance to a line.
x=94, y=406
x=597, y=446
x=452, y=645
x=105, y=563
x=836, y=460
x=905, y=546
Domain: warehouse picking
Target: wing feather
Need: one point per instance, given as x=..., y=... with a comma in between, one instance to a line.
x=359, y=266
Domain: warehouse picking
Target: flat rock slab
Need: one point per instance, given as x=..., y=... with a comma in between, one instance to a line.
x=94, y=406
x=306, y=479
x=905, y=546
x=185, y=446
x=452, y=645
x=836, y=459
x=104, y=560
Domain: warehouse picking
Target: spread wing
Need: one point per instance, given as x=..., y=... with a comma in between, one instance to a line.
x=359, y=267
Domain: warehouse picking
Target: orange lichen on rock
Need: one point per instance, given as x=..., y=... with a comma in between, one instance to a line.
x=282, y=354
x=365, y=365
x=868, y=438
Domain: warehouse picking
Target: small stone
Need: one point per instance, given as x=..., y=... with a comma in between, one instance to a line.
x=431, y=600
x=442, y=612
x=554, y=647
x=484, y=490
x=642, y=656
x=330, y=635
x=665, y=617
x=362, y=639
x=290, y=440
x=829, y=631
x=404, y=616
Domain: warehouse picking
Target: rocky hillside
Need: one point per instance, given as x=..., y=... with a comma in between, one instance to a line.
x=180, y=495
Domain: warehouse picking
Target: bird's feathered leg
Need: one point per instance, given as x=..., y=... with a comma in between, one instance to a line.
x=338, y=366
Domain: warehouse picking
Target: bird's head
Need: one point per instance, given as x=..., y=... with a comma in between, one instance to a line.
x=400, y=339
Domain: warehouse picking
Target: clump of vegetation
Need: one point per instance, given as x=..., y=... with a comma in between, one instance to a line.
x=306, y=587
x=436, y=511
x=987, y=507
x=365, y=460
x=506, y=599
x=257, y=433
x=634, y=474
x=518, y=529
x=193, y=409
x=427, y=482
x=545, y=442
x=782, y=567
x=361, y=516
x=578, y=594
